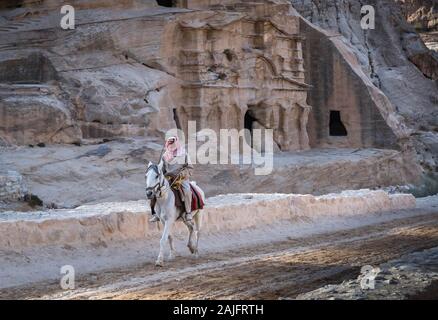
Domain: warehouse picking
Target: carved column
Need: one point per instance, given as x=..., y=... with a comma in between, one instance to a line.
x=304, y=118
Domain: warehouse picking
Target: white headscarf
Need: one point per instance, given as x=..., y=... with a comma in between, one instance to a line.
x=174, y=149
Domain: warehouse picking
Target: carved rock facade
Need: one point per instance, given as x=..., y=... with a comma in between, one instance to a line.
x=244, y=71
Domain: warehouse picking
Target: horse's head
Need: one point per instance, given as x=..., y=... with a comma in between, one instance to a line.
x=154, y=179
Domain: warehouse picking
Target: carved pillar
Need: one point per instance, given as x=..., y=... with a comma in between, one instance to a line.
x=224, y=116
x=284, y=129
x=239, y=114
x=294, y=132
x=304, y=118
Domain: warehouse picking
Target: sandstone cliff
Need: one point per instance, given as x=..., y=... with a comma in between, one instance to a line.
x=134, y=69
x=394, y=58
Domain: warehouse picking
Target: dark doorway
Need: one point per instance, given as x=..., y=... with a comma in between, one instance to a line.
x=337, y=128
x=248, y=124
x=166, y=3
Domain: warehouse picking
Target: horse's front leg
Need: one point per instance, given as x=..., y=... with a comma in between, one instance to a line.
x=163, y=241
x=172, y=252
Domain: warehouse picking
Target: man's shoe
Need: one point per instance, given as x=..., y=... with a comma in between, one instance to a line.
x=154, y=219
x=189, y=216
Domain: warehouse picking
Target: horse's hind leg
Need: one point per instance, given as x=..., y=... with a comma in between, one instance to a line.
x=198, y=224
x=191, y=228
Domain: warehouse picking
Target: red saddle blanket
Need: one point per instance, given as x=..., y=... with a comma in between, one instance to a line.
x=197, y=201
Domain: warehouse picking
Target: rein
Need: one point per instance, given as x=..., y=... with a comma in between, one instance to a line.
x=154, y=186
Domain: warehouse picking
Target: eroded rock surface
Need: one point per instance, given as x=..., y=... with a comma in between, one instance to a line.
x=423, y=14
x=12, y=186
x=62, y=86
x=391, y=65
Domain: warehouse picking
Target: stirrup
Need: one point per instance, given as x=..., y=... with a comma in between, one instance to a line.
x=189, y=216
x=154, y=219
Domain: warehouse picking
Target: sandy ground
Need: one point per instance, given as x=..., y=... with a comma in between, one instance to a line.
x=412, y=276
x=274, y=267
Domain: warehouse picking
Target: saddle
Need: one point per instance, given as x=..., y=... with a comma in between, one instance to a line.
x=197, y=201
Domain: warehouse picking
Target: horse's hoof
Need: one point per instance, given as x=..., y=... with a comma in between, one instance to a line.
x=159, y=263
x=171, y=257
x=191, y=249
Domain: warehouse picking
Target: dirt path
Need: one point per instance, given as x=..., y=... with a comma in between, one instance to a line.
x=277, y=270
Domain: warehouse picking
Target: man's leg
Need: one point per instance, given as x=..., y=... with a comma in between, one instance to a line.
x=187, y=198
x=154, y=214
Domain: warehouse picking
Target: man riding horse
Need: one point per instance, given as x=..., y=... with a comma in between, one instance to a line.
x=177, y=168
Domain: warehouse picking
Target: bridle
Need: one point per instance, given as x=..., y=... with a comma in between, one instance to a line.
x=158, y=187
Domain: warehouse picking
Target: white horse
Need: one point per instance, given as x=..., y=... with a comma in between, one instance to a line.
x=168, y=213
